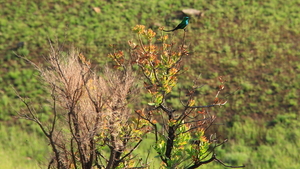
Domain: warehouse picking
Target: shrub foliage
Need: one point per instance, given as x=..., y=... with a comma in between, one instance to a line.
x=92, y=124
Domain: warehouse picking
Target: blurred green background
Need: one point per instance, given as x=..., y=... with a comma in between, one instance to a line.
x=253, y=44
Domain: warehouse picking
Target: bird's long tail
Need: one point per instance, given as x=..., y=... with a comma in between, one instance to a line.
x=169, y=30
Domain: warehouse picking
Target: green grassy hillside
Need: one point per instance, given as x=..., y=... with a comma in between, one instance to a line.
x=253, y=44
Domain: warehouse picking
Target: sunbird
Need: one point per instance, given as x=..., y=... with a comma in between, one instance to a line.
x=182, y=25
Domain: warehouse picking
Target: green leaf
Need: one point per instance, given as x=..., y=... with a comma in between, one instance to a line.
x=151, y=104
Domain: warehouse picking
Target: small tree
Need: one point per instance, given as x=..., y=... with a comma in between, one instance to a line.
x=180, y=139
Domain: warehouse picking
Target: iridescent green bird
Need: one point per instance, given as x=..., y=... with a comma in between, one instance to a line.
x=182, y=25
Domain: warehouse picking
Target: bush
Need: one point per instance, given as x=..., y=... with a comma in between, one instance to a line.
x=93, y=125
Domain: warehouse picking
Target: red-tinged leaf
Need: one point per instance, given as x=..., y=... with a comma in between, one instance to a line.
x=154, y=121
x=223, y=102
x=116, y=66
x=140, y=112
x=192, y=102
x=221, y=87
x=201, y=112
x=216, y=100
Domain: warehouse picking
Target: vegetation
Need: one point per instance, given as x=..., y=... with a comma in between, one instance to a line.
x=87, y=113
x=254, y=44
x=90, y=124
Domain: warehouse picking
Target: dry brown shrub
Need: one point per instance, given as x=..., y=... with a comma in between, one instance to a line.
x=88, y=108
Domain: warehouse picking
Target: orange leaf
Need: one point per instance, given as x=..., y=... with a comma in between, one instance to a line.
x=201, y=112
x=221, y=87
x=216, y=100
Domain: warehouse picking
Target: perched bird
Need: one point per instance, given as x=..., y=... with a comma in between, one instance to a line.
x=182, y=25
